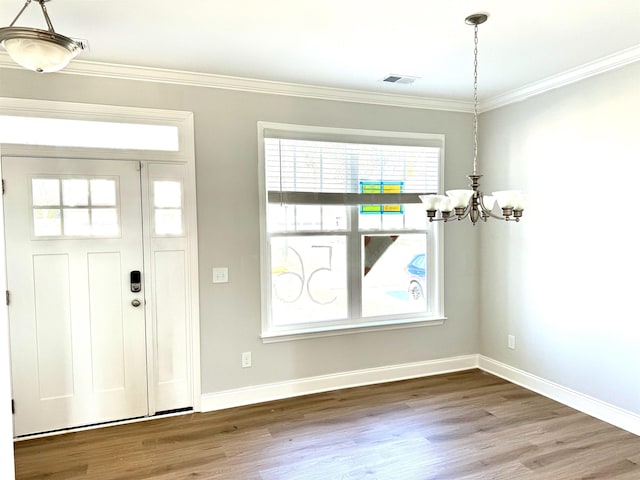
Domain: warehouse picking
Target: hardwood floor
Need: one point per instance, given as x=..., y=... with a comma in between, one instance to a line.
x=461, y=426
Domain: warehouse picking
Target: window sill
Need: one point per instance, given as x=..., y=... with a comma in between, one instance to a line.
x=290, y=334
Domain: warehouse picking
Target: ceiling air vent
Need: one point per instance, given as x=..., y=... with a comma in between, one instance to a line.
x=400, y=79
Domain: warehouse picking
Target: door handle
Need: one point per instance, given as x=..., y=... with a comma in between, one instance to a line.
x=136, y=303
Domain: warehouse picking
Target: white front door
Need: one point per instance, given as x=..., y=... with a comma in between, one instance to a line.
x=73, y=237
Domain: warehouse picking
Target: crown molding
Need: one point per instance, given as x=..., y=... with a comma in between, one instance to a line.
x=178, y=77
x=602, y=65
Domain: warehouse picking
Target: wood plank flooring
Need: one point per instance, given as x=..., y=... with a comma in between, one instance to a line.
x=461, y=426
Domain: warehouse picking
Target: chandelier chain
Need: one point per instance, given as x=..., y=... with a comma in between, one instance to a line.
x=475, y=99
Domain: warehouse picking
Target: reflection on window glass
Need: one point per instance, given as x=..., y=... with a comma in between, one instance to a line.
x=309, y=278
x=75, y=192
x=168, y=221
x=411, y=218
x=46, y=222
x=167, y=200
x=45, y=192
x=87, y=207
x=394, y=274
x=292, y=218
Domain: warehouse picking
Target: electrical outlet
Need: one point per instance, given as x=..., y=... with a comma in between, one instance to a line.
x=511, y=342
x=246, y=359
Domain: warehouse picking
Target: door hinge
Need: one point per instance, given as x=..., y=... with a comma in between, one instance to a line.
x=7, y=296
x=3, y=186
x=13, y=406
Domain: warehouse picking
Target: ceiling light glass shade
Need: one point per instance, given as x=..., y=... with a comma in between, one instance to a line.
x=38, y=50
x=459, y=198
x=445, y=204
x=430, y=202
x=488, y=201
x=507, y=198
x=521, y=202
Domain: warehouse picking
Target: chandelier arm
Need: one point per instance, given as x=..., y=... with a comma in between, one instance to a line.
x=493, y=215
x=20, y=13
x=466, y=212
x=46, y=15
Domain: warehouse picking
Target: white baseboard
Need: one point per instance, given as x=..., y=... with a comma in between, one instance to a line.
x=591, y=406
x=305, y=386
x=324, y=383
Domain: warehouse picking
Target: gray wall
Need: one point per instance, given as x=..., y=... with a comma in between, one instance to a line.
x=227, y=183
x=565, y=280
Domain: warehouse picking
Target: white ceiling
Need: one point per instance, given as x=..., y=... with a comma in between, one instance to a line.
x=349, y=44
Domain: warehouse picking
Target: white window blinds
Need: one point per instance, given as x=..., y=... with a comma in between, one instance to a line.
x=312, y=171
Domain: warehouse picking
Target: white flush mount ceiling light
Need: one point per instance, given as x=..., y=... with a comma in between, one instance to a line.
x=460, y=204
x=39, y=50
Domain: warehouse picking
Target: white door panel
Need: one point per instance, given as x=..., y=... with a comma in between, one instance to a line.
x=168, y=265
x=78, y=344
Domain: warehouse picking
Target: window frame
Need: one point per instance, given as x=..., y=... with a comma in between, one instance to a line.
x=272, y=333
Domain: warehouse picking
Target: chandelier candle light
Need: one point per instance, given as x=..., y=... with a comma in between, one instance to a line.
x=39, y=50
x=459, y=204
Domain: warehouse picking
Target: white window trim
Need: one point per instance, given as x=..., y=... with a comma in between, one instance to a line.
x=271, y=334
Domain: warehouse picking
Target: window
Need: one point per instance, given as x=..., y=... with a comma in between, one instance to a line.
x=75, y=207
x=88, y=133
x=346, y=243
x=167, y=208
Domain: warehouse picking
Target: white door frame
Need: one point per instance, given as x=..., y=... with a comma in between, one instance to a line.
x=185, y=155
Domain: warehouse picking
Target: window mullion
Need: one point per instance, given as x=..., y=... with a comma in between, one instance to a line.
x=354, y=262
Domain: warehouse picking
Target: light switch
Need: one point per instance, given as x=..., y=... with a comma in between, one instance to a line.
x=220, y=275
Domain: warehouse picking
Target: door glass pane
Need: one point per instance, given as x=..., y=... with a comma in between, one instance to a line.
x=394, y=274
x=103, y=192
x=167, y=194
x=75, y=192
x=168, y=221
x=46, y=222
x=104, y=222
x=45, y=191
x=76, y=222
x=309, y=278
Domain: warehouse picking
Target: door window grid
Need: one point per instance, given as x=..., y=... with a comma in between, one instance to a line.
x=75, y=207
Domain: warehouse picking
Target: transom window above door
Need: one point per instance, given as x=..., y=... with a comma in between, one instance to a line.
x=72, y=207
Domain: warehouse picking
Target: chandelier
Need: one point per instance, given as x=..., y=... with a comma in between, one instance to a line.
x=39, y=50
x=460, y=204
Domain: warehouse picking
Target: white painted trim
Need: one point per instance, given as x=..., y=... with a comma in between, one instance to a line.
x=611, y=62
x=6, y=418
x=205, y=80
x=591, y=406
x=177, y=77
x=184, y=121
x=306, y=386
